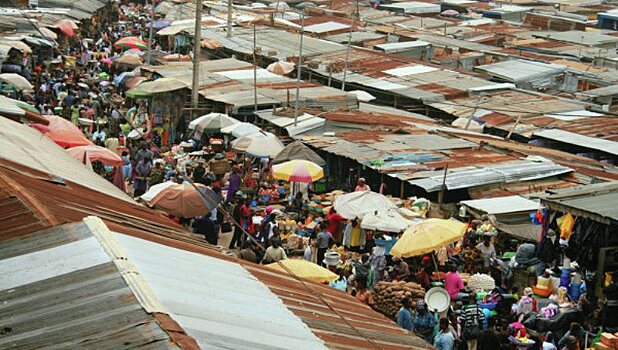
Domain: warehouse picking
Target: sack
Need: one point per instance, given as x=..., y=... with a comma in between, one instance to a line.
x=470, y=333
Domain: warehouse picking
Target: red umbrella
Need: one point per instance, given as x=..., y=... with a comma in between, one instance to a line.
x=59, y=123
x=67, y=27
x=67, y=138
x=95, y=153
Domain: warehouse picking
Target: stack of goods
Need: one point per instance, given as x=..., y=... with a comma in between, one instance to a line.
x=481, y=283
x=268, y=194
x=472, y=259
x=387, y=296
x=294, y=242
x=608, y=341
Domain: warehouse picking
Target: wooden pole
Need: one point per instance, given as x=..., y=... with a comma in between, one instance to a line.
x=299, y=62
x=197, y=48
x=229, y=19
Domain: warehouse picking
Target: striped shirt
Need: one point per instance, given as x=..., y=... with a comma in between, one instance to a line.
x=472, y=315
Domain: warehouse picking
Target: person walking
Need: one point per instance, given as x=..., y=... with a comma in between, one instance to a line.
x=444, y=340
x=472, y=318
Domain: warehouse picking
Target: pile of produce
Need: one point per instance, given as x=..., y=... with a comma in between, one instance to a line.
x=387, y=296
x=271, y=193
x=481, y=283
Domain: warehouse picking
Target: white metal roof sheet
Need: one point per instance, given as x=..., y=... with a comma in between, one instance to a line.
x=405, y=71
x=326, y=27
x=52, y=262
x=247, y=316
x=580, y=140
x=502, y=205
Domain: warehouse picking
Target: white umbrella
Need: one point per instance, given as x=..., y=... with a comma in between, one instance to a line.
x=212, y=121
x=136, y=133
x=387, y=221
x=259, y=144
x=358, y=204
x=19, y=82
x=240, y=129
x=363, y=96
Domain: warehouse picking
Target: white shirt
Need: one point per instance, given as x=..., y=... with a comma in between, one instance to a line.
x=271, y=227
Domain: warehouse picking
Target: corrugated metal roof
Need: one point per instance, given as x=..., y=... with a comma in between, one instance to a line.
x=335, y=317
x=28, y=147
x=401, y=46
x=60, y=288
x=502, y=205
x=499, y=173
x=597, y=199
x=326, y=27
x=357, y=37
x=580, y=140
x=520, y=70
x=578, y=37
x=234, y=310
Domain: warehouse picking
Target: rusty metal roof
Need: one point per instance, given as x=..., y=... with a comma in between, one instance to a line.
x=329, y=314
x=60, y=288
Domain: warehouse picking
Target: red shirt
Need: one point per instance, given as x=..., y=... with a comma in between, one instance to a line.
x=334, y=220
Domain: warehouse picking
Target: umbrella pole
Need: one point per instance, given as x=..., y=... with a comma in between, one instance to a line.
x=435, y=263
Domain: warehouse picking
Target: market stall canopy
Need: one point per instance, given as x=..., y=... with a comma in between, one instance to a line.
x=130, y=42
x=387, y=221
x=298, y=171
x=19, y=82
x=212, y=121
x=48, y=33
x=184, y=200
x=240, y=129
x=298, y=150
x=154, y=190
x=17, y=45
x=156, y=25
x=427, y=236
x=305, y=269
x=160, y=86
x=358, y=204
x=129, y=60
x=281, y=67
x=94, y=153
x=259, y=144
x=11, y=106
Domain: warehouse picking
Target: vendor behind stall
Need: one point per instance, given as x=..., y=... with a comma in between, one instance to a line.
x=487, y=249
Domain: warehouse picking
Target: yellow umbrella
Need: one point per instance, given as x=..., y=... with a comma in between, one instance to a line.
x=305, y=269
x=298, y=170
x=427, y=236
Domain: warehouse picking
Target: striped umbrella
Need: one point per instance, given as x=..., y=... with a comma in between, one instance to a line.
x=298, y=171
x=131, y=42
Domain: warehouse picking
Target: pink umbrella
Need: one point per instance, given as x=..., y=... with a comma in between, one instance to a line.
x=106, y=61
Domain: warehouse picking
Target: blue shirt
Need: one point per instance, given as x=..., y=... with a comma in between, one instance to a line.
x=423, y=324
x=444, y=341
x=404, y=318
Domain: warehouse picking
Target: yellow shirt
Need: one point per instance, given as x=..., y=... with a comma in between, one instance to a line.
x=356, y=236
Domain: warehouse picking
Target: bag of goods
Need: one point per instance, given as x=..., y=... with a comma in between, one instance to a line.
x=481, y=283
x=387, y=296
